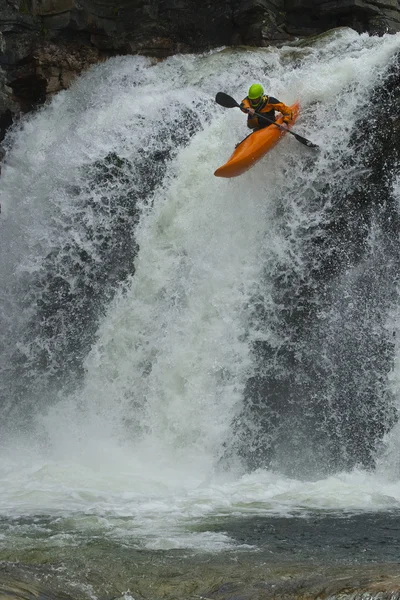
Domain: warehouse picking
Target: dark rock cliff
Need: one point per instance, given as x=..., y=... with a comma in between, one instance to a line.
x=44, y=44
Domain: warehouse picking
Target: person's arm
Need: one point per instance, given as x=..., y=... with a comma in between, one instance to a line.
x=282, y=108
x=245, y=107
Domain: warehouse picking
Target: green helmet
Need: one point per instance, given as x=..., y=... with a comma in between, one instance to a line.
x=255, y=91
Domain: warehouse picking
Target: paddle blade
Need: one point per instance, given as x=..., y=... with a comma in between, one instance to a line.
x=225, y=100
x=303, y=140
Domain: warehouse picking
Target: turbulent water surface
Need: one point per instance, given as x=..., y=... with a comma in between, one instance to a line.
x=199, y=377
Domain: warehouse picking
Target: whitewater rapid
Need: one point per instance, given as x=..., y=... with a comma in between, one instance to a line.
x=132, y=441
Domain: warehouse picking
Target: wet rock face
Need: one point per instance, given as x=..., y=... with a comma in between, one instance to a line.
x=376, y=17
x=46, y=43
x=36, y=61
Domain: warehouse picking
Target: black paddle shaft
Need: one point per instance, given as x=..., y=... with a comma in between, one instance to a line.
x=229, y=102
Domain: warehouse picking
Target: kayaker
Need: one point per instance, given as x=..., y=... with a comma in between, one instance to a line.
x=256, y=101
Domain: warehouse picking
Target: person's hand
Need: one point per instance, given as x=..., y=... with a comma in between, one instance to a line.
x=251, y=111
x=285, y=125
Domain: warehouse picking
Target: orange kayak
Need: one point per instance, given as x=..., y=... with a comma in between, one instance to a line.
x=254, y=147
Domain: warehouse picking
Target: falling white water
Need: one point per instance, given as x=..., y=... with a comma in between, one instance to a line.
x=389, y=463
x=143, y=435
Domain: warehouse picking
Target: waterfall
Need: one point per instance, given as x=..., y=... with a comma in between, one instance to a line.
x=163, y=330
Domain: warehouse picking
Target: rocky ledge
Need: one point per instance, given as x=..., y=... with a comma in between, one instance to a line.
x=44, y=44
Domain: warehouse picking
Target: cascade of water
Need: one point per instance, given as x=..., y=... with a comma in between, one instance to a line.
x=320, y=389
x=160, y=322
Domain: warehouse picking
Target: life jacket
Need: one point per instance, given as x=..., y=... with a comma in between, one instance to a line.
x=267, y=106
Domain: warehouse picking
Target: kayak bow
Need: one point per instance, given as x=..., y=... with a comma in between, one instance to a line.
x=254, y=147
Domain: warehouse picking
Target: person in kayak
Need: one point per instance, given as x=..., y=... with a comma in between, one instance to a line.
x=256, y=101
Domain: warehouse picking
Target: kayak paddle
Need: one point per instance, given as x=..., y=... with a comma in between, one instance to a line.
x=229, y=102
